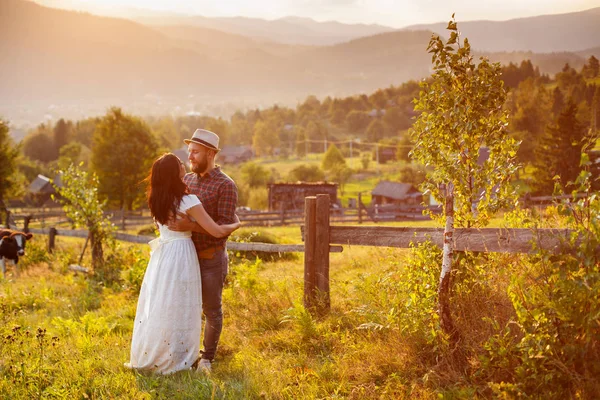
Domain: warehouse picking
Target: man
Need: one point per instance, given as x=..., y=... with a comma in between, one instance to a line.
x=218, y=194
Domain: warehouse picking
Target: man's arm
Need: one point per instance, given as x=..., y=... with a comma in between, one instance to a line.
x=184, y=223
x=227, y=202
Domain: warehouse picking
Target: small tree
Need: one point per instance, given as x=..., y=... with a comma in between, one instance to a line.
x=255, y=175
x=461, y=110
x=365, y=159
x=306, y=173
x=332, y=158
x=341, y=174
x=79, y=197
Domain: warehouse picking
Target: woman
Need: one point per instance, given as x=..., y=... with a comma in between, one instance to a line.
x=168, y=320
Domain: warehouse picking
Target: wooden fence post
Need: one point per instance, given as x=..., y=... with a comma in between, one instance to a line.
x=282, y=214
x=359, y=207
x=322, y=253
x=310, y=210
x=51, y=239
x=26, y=221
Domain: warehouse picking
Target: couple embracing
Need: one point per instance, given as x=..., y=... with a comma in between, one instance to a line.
x=194, y=213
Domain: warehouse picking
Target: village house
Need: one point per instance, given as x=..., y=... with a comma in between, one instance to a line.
x=40, y=191
x=290, y=196
x=395, y=193
x=235, y=154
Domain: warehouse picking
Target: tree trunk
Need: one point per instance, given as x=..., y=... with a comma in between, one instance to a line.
x=97, y=253
x=448, y=252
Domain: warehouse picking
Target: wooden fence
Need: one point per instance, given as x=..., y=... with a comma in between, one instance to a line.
x=136, y=219
x=321, y=238
x=319, y=235
x=377, y=213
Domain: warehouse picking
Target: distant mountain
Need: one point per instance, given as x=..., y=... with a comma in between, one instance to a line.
x=74, y=64
x=288, y=30
x=542, y=34
x=50, y=55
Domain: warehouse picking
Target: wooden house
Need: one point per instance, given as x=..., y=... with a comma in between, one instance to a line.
x=235, y=154
x=396, y=193
x=290, y=196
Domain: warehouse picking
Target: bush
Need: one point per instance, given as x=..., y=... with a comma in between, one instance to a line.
x=258, y=198
x=555, y=298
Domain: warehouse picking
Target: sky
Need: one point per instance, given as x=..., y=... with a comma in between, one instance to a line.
x=393, y=13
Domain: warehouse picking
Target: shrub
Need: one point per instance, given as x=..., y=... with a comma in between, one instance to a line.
x=555, y=298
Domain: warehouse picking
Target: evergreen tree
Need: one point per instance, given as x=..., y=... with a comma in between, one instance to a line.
x=62, y=135
x=558, y=101
x=592, y=68
x=559, y=153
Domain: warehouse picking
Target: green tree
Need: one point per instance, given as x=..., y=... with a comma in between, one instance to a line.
x=559, y=154
x=404, y=148
x=378, y=99
x=63, y=132
x=332, y=158
x=8, y=166
x=221, y=128
x=81, y=203
x=375, y=131
x=340, y=173
x=531, y=113
x=123, y=151
x=365, y=159
x=265, y=138
x=357, y=121
x=592, y=68
x=558, y=101
x=306, y=173
x=166, y=133
x=301, y=144
x=595, y=113
x=461, y=110
x=72, y=153
x=39, y=146
x=255, y=175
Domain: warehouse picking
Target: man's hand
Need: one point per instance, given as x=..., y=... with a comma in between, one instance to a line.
x=182, y=223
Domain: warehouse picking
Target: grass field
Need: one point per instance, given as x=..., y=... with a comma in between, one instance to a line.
x=66, y=335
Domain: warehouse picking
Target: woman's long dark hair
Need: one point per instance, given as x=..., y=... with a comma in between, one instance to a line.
x=165, y=188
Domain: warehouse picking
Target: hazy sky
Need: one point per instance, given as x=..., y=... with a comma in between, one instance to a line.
x=394, y=13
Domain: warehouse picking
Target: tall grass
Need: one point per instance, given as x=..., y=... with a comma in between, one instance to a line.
x=67, y=335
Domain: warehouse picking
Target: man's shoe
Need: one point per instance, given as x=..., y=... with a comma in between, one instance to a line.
x=204, y=365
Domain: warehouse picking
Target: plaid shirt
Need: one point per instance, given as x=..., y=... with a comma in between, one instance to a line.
x=219, y=196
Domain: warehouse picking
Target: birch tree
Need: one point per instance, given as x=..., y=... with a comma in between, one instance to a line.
x=462, y=119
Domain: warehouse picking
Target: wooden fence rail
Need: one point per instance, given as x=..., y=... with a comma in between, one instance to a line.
x=321, y=238
x=318, y=234
x=125, y=237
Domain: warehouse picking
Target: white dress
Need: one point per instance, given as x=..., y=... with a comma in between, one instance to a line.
x=168, y=320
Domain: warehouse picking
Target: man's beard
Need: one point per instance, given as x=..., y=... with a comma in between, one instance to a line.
x=200, y=168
